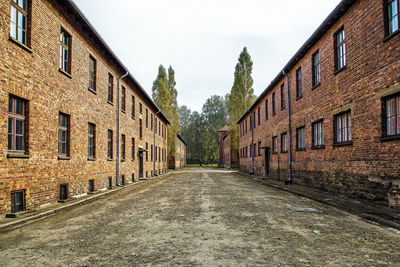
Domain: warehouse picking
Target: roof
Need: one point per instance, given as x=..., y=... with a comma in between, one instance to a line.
x=90, y=30
x=336, y=14
x=224, y=129
x=180, y=137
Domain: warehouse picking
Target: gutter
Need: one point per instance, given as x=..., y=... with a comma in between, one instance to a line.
x=119, y=125
x=289, y=181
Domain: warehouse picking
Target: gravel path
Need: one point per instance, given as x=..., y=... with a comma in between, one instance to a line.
x=202, y=217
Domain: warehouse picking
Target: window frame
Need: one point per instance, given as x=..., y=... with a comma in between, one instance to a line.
x=14, y=30
x=284, y=142
x=110, y=144
x=133, y=149
x=67, y=130
x=92, y=72
x=13, y=201
x=275, y=144
x=273, y=104
x=91, y=140
x=140, y=129
x=14, y=117
x=110, y=95
x=388, y=33
x=396, y=117
x=340, y=59
x=123, y=99
x=65, y=47
x=123, y=147
x=266, y=110
x=259, y=115
x=283, y=102
x=316, y=69
x=322, y=139
x=299, y=83
x=349, y=134
x=300, y=146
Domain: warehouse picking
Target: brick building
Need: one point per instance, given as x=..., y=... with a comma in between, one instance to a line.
x=179, y=160
x=228, y=158
x=333, y=122
x=59, y=102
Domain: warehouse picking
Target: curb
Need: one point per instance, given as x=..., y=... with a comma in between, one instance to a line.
x=367, y=216
x=42, y=215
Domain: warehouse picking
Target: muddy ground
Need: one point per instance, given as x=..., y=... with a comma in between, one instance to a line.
x=202, y=217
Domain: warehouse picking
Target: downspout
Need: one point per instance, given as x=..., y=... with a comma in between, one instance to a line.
x=154, y=143
x=223, y=153
x=119, y=124
x=290, y=130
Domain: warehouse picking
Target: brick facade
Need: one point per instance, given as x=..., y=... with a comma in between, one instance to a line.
x=366, y=166
x=32, y=73
x=179, y=160
x=228, y=158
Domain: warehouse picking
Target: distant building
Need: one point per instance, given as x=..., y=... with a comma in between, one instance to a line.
x=227, y=157
x=179, y=160
x=338, y=128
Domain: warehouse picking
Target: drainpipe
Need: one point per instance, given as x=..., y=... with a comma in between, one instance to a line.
x=119, y=124
x=252, y=143
x=154, y=143
x=289, y=181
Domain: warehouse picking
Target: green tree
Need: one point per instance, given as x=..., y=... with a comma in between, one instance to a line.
x=161, y=95
x=241, y=96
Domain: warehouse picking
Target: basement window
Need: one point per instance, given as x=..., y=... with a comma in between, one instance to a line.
x=109, y=182
x=391, y=111
x=91, y=186
x=63, y=191
x=17, y=201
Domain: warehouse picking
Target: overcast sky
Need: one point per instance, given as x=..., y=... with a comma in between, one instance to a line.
x=202, y=39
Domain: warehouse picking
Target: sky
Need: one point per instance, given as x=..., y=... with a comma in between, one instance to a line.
x=202, y=39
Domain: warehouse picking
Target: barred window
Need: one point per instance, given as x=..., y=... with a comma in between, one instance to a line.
x=318, y=133
x=343, y=128
x=301, y=138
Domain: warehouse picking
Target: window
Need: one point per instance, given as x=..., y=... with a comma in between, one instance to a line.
x=92, y=141
x=110, y=88
x=123, y=99
x=301, y=138
x=155, y=155
x=147, y=152
x=155, y=124
x=275, y=144
x=110, y=144
x=140, y=108
x=159, y=127
x=246, y=126
x=65, y=51
x=282, y=96
x=17, y=201
x=92, y=73
x=316, y=69
x=140, y=129
x=17, y=125
x=392, y=116
x=340, y=50
x=123, y=179
x=133, y=149
x=392, y=16
x=299, y=84
x=91, y=186
x=151, y=153
x=284, y=143
x=151, y=121
x=123, y=154
x=255, y=149
x=342, y=128
x=254, y=119
x=259, y=115
x=318, y=134
x=19, y=21
x=133, y=177
x=147, y=118
x=159, y=153
x=259, y=148
x=63, y=134
x=133, y=106
x=63, y=191
x=266, y=110
x=273, y=104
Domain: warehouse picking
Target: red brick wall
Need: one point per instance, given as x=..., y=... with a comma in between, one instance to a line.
x=369, y=167
x=34, y=76
x=221, y=148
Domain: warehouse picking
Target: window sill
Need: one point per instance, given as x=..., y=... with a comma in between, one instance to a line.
x=390, y=138
x=93, y=91
x=111, y=103
x=318, y=147
x=123, y=111
x=342, y=144
x=275, y=153
x=284, y=152
x=122, y=160
x=340, y=70
x=315, y=86
x=283, y=108
x=110, y=160
x=133, y=117
x=15, y=41
x=63, y=158
x=18, y=156
x=91, y=159
x=299, y=97
x=301, y=149
x=65, y=73
x=387, y=38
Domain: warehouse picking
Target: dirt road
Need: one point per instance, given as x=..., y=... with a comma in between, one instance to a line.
x=202, y=217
